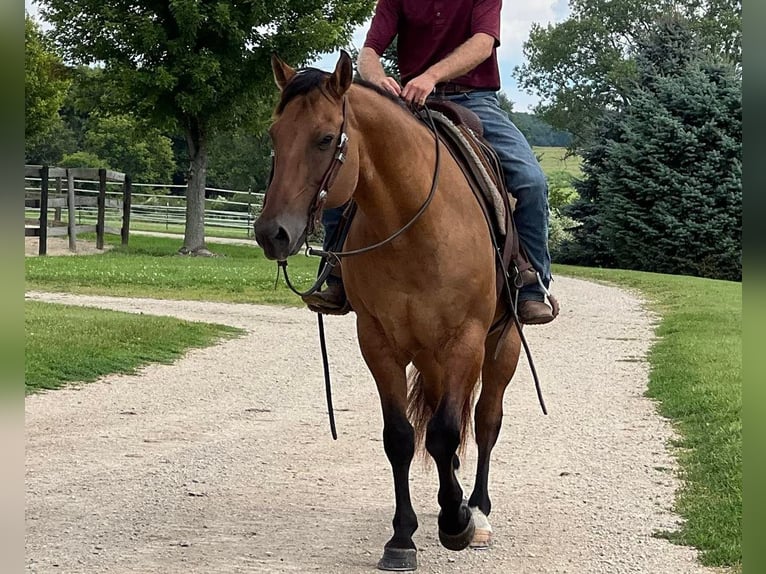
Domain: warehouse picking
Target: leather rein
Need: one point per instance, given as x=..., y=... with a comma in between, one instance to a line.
x=332, y=258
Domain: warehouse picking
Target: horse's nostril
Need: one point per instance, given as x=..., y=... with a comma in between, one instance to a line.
x=282, y=235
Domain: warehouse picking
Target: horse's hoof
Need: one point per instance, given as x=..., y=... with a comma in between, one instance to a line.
x=398, y=559
x=461, y=540
x=482, y=536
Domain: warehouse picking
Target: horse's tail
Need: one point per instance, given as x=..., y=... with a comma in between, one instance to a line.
x=419, y=412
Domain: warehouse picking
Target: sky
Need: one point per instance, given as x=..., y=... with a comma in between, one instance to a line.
x=517, y=19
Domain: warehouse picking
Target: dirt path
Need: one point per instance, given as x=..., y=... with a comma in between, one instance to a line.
x=223, y=461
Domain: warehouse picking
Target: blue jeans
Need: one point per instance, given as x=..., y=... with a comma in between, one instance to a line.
x=524, y=179
x=523, y=176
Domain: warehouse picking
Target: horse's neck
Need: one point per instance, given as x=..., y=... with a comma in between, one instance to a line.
x=396, y=162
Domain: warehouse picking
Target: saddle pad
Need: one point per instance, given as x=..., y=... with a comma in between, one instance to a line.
x=471, y=152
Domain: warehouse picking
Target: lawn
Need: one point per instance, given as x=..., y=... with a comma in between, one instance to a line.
x=150, y=266
x=696, y=375
x=553, y=159
x=66, y=344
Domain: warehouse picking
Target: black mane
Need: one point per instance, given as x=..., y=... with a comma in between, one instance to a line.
x=309, y=79
x=304, y=81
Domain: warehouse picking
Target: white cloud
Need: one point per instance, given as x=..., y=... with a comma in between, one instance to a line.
x=517, y=18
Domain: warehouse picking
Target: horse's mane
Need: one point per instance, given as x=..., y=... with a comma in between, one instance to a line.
x=309, y=79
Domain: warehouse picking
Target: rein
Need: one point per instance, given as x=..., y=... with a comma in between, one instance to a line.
x=332, y=258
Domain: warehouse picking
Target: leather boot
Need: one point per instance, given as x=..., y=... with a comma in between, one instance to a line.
x=532, y=312
x=330, y=301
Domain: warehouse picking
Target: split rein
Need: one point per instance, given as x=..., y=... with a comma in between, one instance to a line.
x=332, y=258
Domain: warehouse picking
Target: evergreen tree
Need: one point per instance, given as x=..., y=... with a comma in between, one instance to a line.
x=663, y=187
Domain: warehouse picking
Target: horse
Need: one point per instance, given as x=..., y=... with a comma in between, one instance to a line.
x=428, y=298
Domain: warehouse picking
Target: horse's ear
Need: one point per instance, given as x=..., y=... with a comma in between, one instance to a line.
x=341, y=78
x=282, y=72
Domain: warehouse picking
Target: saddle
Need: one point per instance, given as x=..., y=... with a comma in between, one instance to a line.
x=461, y=131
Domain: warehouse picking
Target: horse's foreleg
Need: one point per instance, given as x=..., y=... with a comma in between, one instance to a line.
x=444, y=436
x=488, y=419
x=399, y=443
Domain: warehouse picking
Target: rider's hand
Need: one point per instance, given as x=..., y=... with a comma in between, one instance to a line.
x=418, y=89
x=390, y=85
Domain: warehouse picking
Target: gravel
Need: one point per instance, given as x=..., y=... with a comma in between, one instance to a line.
x=223, y=461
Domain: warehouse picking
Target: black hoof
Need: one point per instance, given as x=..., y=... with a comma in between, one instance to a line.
x=461, y=540
x=398, y=559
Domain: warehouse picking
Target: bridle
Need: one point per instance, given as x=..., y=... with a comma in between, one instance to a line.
x=332, y=258
x=338, y=159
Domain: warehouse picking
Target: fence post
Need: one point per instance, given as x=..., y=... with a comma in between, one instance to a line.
x=127, y=192
x=249, y=209
x=42, y=248
x=71, y=210
x=101, y=208
x=57, y=211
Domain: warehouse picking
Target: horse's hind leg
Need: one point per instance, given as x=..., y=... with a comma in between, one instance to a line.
x=488, y=418
x=398, y=441
x=444, y=435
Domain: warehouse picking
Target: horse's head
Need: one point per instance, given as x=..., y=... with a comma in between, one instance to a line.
x=313, y=167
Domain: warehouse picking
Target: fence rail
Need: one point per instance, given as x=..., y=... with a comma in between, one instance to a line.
x=42, y=201
x=226, y=209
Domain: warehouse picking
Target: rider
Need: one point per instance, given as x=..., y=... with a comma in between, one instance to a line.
x=448, y=51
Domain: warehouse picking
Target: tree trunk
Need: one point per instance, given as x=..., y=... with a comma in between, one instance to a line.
x=194, y=231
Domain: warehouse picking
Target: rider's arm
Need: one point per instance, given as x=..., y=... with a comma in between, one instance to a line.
x=463, y=59
x=383, y=30
x=371, y=69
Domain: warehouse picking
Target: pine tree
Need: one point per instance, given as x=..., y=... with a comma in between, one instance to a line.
x=664, y=189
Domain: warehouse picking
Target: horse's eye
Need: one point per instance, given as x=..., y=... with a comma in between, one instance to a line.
x=325, y=142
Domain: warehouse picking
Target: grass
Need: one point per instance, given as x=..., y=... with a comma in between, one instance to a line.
x=150, y=266
x=696, y=375
x=552, y=160
x=66, y=344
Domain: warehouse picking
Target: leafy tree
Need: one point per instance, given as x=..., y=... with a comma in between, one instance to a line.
x=582, y=66
x=240, y=160
x=664, y=189
x=194, y=65
x=83, y=159
x=45, y=86
x=130, y=146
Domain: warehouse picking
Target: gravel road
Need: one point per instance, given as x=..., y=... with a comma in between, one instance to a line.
x=223, y=461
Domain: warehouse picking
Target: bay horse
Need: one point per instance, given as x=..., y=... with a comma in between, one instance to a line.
x=427, y=298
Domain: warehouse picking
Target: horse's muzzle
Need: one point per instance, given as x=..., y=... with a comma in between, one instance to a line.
x=280, y=238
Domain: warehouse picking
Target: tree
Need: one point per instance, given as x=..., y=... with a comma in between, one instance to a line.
x=194, y=65
x=45, y=87
x=583, y=66
x=130, y=146
x=664, y=188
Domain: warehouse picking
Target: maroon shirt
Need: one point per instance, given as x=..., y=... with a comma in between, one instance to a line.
x=429, y=30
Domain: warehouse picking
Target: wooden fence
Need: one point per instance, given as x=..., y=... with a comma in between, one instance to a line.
x=43, y=200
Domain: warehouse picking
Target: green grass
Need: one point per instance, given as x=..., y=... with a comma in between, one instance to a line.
x=696, y=375
x=66, y=344
x=552, y=160
x=150, y=267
